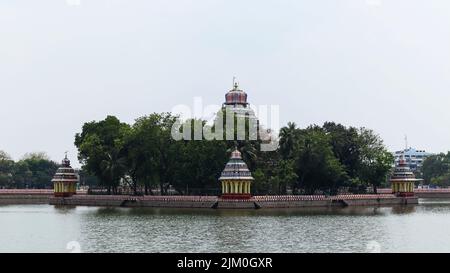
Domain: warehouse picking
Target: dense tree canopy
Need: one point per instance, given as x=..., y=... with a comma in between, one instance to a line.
x=146, y=157
x=34, y=170
x=436, y=170
x=101, y=147
x=334, y=157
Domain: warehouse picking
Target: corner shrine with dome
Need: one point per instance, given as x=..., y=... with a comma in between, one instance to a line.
x=65, y=180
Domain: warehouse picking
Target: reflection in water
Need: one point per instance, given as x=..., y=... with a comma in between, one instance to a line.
x=64, y=209
x=403, y=209
x=44, y=228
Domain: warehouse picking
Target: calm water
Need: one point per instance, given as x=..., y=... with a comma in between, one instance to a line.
x=43, y=228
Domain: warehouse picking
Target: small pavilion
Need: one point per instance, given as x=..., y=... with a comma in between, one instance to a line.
x=236, y=178
x=65, y=180
x=403, y=179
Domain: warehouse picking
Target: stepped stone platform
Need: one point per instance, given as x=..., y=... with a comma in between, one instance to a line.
x=8, y=197
x=256, y=202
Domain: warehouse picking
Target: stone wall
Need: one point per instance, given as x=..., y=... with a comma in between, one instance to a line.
x=212, y=202
x=236, y=204
x=433, y=194
x=217, y=203
x=293, y=204
x=130, y=201
x=382, y=201
x=24, y=199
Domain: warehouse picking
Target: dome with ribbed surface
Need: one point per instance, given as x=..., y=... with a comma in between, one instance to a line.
x=403, y=179
x=236, y=169
x=236, y=96
x=403, y=172
x=236, y=103
x=65, y=180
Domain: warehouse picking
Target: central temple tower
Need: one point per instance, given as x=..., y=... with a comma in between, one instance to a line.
x=236, y=102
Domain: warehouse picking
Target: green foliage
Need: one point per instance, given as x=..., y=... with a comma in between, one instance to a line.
x=315, y=159
x=334, y=157
x=315, y=163
x=196, y=164
x=261, y=184
x=375, y=160
x=147, y=154
x=34, y=170
x=436, y=170
x=101, y=147
x=6, y=170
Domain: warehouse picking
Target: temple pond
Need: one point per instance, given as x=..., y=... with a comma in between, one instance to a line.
x=44, y=228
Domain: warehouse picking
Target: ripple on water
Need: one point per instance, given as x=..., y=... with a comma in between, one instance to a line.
x=43, y=228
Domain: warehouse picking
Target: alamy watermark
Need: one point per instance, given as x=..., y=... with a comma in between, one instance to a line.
x=373, y=247
x=229, y=122
x=73, y=247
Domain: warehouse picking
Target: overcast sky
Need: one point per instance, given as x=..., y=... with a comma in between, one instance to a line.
x=380, y=64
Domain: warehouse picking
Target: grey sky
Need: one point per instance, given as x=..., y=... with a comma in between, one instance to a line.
x=380, y=64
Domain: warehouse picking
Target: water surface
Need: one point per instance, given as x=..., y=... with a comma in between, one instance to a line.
x=44, y=228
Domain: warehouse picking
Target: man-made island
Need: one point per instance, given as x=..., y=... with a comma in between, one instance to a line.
x=236, y=182
x=328, y=166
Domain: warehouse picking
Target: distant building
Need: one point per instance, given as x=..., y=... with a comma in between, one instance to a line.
x=414, y=158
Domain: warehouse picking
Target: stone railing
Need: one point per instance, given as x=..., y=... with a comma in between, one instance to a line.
x=275, y=198
x=26, y=191
x=362, y=196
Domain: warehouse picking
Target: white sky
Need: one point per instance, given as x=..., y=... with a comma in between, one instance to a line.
x=380, y=64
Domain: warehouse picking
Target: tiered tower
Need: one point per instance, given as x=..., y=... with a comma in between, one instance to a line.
x=403, y=179
x=65, y=180
x=236, y=102
x=236, y=178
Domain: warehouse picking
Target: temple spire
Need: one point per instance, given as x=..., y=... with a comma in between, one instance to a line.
x=235, y=83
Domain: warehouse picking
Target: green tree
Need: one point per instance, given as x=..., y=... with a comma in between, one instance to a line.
x=101, y=149
x=285, y=176
x=205, y=159
x=435, y=166
x=6, y=170
x=375, y=161
x=436, y=169
x=261, y=184
x=316, y=166
x=34, y=170
x=345, y=145
x=143, y=152
x=288, y=139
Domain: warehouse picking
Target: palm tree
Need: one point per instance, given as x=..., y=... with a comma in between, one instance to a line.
x=287, y=139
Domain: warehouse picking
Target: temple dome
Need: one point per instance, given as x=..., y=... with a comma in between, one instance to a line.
x=236, y=96
x=403, y=180
x=236, y=103
x=236, y=169
x=403, y=172
x=65, y=180
x=236, y=154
